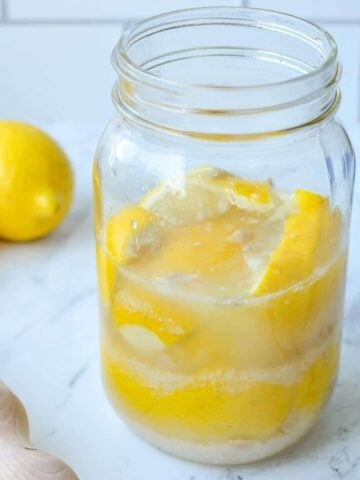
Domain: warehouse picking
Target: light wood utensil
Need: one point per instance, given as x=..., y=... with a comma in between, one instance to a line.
x=19, y=460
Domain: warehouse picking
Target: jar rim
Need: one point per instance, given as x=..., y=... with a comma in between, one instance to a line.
x=266, y=46
x=120, y=53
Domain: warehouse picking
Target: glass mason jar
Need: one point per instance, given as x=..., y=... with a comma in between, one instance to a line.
x=223, y=192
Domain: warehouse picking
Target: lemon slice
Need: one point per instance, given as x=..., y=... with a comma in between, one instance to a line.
x=245, y=194
x=295, y=257
x=185, y=202
x=141, y=339
x=205, y=193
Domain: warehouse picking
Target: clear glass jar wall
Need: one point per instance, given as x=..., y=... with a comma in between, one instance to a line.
x=223, y=194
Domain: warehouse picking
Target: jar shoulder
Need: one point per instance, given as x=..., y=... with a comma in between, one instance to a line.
x=130, y=162
x=122, y=140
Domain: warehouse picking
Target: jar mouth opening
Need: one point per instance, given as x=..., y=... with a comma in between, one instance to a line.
x=226, y=71
x=314, y=37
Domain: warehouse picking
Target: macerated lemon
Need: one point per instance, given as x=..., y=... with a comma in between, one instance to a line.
x=204, y=193
x=222, y=319
x=138, y=303
x=245, y=194
x=36, y=182
x=130, y=303
x=242, y=252
x=123, y=230
x=202, y=243
x=206, y=249
x=120, y=244
x=295, y=257
x=202, y=249
x=184, y=202
x=206, y=409
x=309, y=304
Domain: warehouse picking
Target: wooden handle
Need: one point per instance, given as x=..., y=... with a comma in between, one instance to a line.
x=18, y=459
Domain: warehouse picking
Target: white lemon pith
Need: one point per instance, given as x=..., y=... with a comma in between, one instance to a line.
x=141, y=339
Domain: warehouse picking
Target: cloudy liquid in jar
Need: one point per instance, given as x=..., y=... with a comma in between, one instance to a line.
x=221, y=301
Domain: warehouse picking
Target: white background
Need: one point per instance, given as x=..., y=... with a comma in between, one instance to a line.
x=55, y=54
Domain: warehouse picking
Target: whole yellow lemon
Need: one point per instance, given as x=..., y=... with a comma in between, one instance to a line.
x=36, y=182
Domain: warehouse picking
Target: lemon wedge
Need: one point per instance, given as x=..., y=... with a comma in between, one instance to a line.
x=128, y=300
x=245, y=194
x=122, y=241
x=307, y=297
x=295, y=257
x=205, y=193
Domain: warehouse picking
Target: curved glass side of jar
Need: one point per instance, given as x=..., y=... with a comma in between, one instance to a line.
x=221, y=372
x=221, y=268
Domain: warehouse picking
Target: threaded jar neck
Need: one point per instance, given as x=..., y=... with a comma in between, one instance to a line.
x=226, y=72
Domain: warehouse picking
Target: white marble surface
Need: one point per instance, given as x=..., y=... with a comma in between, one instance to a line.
x=48, y=355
